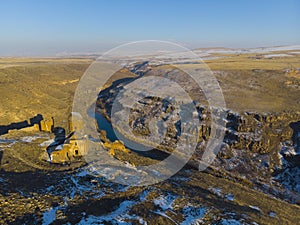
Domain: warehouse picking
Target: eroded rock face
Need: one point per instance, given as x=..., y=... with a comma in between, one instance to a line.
x=296, y=135
x=258, y=133
x=262, y=147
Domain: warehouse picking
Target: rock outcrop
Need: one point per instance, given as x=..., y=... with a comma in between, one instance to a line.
x=259, y=147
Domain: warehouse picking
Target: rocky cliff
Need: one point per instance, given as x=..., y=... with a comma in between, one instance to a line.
x=262, y=148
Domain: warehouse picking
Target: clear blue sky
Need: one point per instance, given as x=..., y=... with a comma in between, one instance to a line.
x=39, y=27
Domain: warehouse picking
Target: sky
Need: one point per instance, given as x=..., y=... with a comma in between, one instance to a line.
x=50, y=27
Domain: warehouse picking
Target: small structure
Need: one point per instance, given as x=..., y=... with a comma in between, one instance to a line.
x=46, y=125
x=67, y=152
x=68, y=148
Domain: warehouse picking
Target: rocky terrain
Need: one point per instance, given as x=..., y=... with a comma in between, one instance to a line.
x=261, y=148
x=253, y=180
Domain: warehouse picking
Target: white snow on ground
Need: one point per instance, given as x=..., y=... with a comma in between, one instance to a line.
x=29, y=138
x=276, y=55
x=74, y=185
x=7, y=143
x=213, y=57
x=254, y=207
x=46, y=143
x=6, y=140
x=164, y=202
x=272, y=214
x=82, y=173
x=80, y=188
x=206, y=54
x=164, y=215
x=49, y=216
x=216, y=191
x=277, y=48
x=201, y=52
x=182, y=55
x=228, y=51
x=287, y=150
x=193, y=215
x=281, y=48
x=11, y=144
x=177, y=178
x=229, y=197
x=290, y=178
x=118, y=216
x=230, y=222
x=249, y=50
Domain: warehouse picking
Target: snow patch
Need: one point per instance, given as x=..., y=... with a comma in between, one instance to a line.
x=177, y=178
x=49, y=216
x=216, y=191
x=193, y=215
x=250, y=50
x=276, y=55
x=7, y=143
x=164, y=215
x=46, y=143
x=272, y=214
x=213, y=58
x=254, y=207
x=230, y=197
x=164, y=202
x=230, y=222
x=118, y=216
x=290, y=178
x=82, y=173
x=29, y=138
